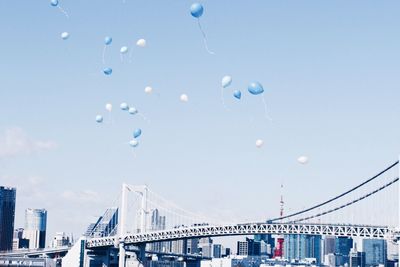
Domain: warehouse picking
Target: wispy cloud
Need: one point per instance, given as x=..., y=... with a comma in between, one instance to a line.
x=82, y=196
x=15, y=142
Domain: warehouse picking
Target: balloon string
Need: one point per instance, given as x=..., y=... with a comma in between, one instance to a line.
x=144, y=117
x=265, y=109
x=63, y=11
x=222, y=99
x=204, y=38
x=131, y=54
x=122, y=59
x=103, y=56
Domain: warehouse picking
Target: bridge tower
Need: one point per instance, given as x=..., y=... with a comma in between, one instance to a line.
x=143, y=192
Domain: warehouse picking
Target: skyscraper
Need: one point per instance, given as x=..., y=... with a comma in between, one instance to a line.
x=299, y=247
x=7, y=215
x=35, y=227
x=375, y=252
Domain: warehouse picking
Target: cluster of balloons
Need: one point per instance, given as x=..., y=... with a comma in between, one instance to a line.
x=123, y=50
x=196, y=10
x=132, y=110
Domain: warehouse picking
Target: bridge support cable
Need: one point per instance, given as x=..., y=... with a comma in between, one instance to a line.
x=336, y=197
x=347, y=204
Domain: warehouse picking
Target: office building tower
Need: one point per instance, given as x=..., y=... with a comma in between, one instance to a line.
x=242, y=248
x=205, y=245
x=254, y=247
x=106, y=225
x=343, y=245
x=300, y=247
x=157, y=223
x=60, y=240
x=375, y=252
x=357, y=259
x=217, y=251
x=329, y=245
x=35, y=227
x=7, y=215
x=19, y=242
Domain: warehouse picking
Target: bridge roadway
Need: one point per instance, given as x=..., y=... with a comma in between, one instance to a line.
x=338, y=230
x=35, y=252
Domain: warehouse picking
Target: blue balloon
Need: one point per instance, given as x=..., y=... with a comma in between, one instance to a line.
x=107, y=40
x=237, y=94
x=54, y=2
x=196, y=10
x=255, y=88
x=137, y=133
x=107, y=71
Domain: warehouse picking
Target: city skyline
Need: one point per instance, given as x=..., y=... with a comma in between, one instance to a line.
x=332, y=90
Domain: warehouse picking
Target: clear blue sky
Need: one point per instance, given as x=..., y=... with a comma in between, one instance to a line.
x=330, y=72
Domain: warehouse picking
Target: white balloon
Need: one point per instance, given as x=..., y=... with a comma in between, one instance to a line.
x=259, y=143
x=132, y=111
x=108, y=107
x=64, y=35
x=226, y=81
x=123, y=50
x=302, y=160
x=99, y=118
x=141, y=43
x=184, y=98
x=124, y=106
x=134, y=143
x=148, y=90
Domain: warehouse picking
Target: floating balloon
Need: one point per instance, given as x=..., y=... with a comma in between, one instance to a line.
x=237, y=94
x=226, y=81
x=148, y=90
x=302, y=160
x=107, y=41
x=133, y=143
x=124, y=106
x=137, y=133
x=196, y=10
x=133, y=111
x=107, y=71
x=141, y=43
x=56, y=4
x=259, y=143
x=108, y=107
x=64, y=35
x=123, y=50
x=255, y=88
x=99, y=119
x=184, y=98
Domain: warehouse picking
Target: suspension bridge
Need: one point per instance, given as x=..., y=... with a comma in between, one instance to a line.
x=369, y=209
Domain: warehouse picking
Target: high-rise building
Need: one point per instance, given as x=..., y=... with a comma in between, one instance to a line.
x=217, y=251
x=157, y=223
x=300, y=247
x=242, y=248
x=60, y=240
x=329, y=245
x=375, y=251
x=205, y=245
x=35, y=227
x=19, y=241
x=254, y=247
x=106, y=225
x=343, y=245
x=357, y=259
x=7, y=215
